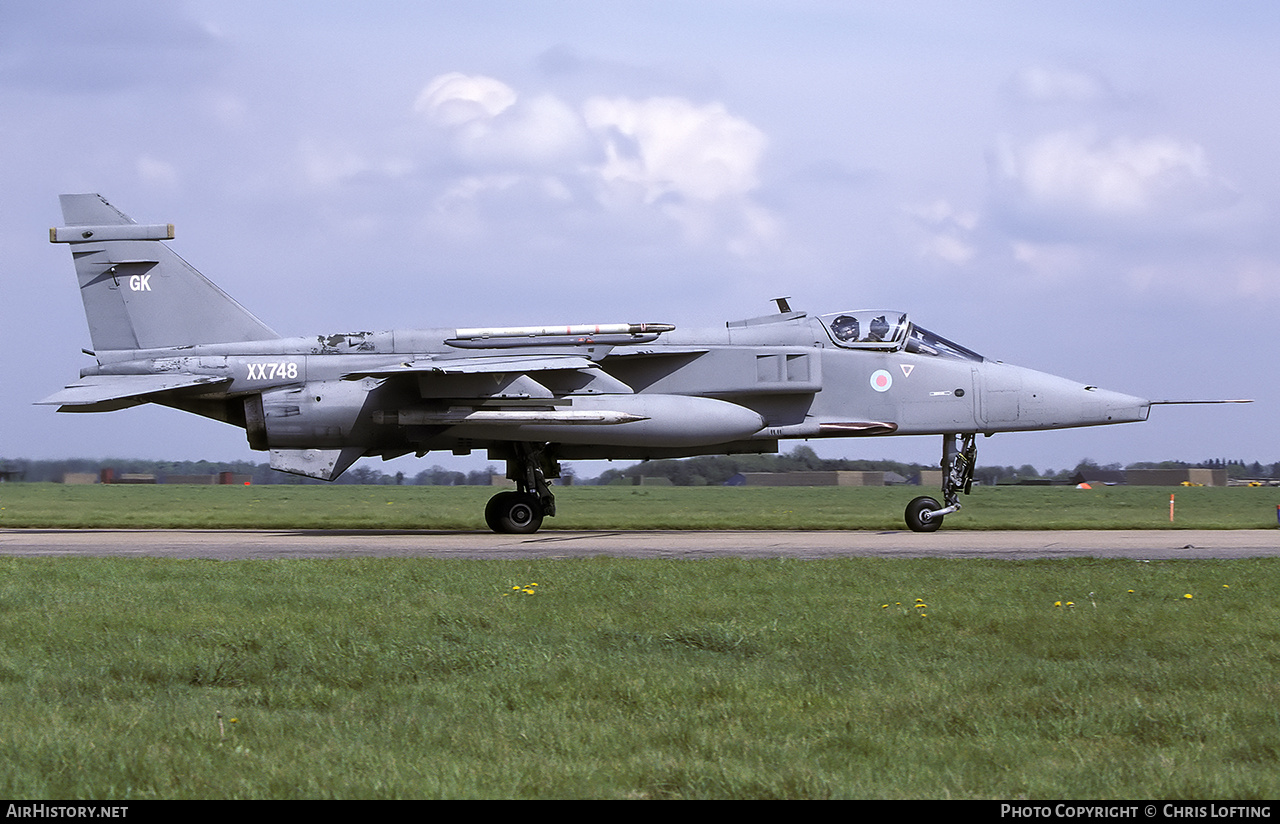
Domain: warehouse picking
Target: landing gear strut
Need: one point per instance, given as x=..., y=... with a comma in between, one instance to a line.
x=959, y=457
x=522, y=511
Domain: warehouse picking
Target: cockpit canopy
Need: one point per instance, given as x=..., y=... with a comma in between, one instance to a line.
x=885, y=331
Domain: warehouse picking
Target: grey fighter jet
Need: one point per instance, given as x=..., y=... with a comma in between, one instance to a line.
x=532, y=396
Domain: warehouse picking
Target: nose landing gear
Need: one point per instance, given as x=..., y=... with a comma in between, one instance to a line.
x=959, y=458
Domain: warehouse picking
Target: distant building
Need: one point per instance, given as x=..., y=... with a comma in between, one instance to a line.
x=110, y=476
x=839, y=477
x=1177, y=477
x=1099, y=477
x=219, y=479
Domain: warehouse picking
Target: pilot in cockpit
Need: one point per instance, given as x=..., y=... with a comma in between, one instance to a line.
x=845, y=328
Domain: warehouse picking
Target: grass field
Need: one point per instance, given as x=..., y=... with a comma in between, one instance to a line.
x=597, y=507
x=613, y=678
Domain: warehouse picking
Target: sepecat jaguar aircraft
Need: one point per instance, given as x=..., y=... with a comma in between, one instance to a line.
x=535, y=395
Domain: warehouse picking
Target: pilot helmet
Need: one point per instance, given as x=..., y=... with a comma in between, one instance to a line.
x=845, y=328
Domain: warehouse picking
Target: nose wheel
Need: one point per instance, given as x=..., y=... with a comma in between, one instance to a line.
x=959, y=458
x=920, y=517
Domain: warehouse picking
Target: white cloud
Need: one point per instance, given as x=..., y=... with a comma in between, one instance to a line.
x=325, y=165
x=1125, y=176
x=456, y=99
x=948, y=231
x=1045, y=86
x=671, y=146
x=491, y=125
x=1072, y=181
x=694, y=165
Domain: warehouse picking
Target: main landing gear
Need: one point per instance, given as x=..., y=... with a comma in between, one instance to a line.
x=521, y=512
x=959, y=457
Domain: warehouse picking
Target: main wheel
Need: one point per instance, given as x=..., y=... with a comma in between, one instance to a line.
x=915, y=515
x=514, y=512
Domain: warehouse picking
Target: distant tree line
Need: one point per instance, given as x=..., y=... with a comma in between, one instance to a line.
x=711, y=470
x=717, y=469
x=54, y=471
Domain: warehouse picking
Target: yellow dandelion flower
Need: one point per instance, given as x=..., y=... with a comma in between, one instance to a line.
x=1226, y=586
x=1130, y=592
x=1057, y=603
x=1187, y=596
x=884, y=606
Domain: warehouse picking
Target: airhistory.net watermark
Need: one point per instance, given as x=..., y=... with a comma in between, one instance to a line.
x=66, y=811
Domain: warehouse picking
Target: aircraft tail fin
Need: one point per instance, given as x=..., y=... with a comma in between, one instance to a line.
x=139, y=294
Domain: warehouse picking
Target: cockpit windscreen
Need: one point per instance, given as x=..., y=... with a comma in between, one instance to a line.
x=922, y=341
x=888, y=332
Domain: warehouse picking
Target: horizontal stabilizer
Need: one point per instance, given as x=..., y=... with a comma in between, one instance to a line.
x=103, y=393
x=96, y=234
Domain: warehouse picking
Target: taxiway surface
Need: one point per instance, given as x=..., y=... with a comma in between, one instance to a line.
x=1016, y=545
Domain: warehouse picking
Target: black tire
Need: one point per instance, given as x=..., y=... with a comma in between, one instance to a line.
x=518, y=513
x=914, y=513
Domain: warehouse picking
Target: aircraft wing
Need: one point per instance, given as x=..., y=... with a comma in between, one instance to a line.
x=103, y=393
x=514, y=364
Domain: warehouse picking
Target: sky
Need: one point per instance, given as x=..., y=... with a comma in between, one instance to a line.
x=1085, y=188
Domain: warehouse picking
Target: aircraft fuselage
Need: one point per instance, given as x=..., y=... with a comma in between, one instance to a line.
x=744, y=387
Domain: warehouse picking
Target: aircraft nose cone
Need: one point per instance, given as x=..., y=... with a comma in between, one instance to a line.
x=1019, y=398
x=1115, y=407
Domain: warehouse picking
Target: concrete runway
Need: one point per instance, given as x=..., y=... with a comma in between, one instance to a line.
x=1014, y=545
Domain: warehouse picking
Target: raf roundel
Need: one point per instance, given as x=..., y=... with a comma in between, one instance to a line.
x=881, y=380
